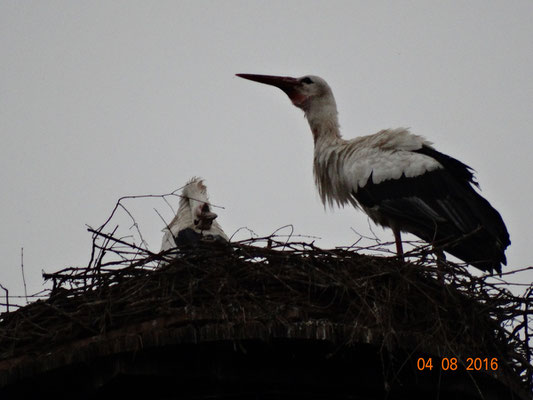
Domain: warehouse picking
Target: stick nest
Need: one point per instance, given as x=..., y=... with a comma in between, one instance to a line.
x=361, y=298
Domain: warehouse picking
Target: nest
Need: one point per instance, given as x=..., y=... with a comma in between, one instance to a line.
x=266, y=287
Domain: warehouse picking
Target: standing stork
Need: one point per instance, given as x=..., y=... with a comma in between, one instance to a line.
x=398, y=179
x=194, y=220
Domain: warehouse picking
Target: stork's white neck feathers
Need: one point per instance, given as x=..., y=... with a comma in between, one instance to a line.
x=320, y=110
x=324, y=122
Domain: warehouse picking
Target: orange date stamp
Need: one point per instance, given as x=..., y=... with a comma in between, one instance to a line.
x=452, y=364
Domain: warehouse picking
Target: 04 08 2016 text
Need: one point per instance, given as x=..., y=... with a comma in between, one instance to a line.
x=453, y=364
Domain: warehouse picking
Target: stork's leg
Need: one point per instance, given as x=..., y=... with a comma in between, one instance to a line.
x=399, y=248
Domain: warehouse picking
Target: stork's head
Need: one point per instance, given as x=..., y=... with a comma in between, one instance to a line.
x=306, y=92
x=313, y=95
x=194, y=195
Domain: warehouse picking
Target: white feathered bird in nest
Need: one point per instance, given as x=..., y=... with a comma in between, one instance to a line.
x=398, y=179
x=194, y=221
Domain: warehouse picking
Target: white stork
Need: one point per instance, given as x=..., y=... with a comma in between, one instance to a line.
x=398, y=179
x=194, y=220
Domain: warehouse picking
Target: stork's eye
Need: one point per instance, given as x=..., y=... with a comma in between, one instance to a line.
x=306, y=80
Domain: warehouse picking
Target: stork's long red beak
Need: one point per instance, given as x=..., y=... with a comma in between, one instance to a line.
x=282, y=82
x=289, y=85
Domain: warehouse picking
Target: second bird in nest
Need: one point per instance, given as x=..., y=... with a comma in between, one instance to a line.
x=194, y=221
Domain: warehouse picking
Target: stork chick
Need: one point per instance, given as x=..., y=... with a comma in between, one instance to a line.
x=398, y=179
x=194, y=220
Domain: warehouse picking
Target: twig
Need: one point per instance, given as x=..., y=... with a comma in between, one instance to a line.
x=7, y=297
x=23, y=276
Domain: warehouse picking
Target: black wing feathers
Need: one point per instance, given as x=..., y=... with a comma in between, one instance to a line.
x=462, y=172
x=442, y=207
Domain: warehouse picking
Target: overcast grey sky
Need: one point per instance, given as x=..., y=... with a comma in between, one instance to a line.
x=104, y=99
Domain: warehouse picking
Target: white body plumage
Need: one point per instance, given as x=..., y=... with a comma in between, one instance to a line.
x=341, y=166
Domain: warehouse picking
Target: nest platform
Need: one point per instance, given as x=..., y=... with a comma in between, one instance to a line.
x=265, y=320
